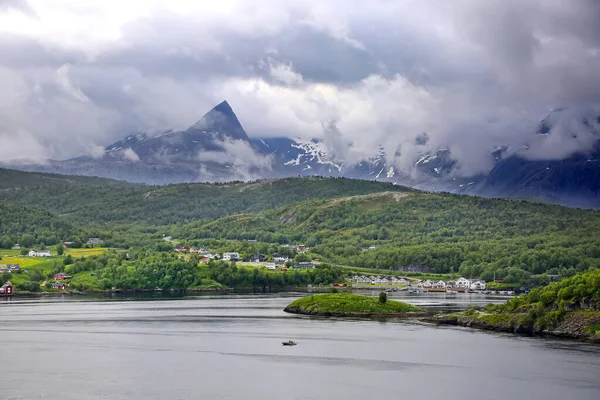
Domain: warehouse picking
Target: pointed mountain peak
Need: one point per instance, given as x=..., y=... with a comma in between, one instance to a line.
x=222, y=121
x=223, y=107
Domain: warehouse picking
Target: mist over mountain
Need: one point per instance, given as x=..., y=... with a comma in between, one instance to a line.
x=217, y=148
x=432, y=94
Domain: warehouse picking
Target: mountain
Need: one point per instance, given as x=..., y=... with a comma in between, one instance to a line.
x=574, y=181
x=217, y=148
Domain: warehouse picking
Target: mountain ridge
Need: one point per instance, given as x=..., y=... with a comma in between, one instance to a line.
x=181, y=156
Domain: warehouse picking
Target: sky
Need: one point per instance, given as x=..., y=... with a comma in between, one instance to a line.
x=473, y=74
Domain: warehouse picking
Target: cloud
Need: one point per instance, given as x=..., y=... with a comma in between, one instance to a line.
x=76, y=75
x=131, y=155
x=243, y=161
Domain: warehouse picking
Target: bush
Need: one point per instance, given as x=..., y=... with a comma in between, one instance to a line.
x=29, y=286
x=383, y=297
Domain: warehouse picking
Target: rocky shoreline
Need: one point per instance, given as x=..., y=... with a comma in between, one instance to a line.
x=579, y=325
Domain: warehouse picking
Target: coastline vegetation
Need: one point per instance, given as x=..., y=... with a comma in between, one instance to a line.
x=569, y=308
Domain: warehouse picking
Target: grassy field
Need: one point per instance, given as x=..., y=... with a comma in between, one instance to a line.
x=7, y=253
x=24, y=262
x=86, y=252
x=346, y=303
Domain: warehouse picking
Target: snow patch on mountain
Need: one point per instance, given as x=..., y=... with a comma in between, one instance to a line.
x=314, y=151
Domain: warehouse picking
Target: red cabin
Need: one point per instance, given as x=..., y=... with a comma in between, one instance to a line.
x=6, y=289
x=61, y=276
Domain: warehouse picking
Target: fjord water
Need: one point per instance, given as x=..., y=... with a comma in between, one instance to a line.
x=229, y=347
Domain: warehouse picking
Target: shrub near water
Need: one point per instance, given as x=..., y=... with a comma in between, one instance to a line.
x=347, y=303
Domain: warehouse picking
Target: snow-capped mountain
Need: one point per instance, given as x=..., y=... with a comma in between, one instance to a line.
x=217, y=148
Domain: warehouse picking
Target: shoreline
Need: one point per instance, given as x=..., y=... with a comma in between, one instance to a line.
x=572, y=327
x=291, y=289
x=369, y=315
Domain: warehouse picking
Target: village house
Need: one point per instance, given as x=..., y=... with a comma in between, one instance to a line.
x=10, y=267
x=59, y=285
x=258, y=257
x=271, y=266
x=462, y=283
x=39, y=253
x=61, y=276
x=438, y=285
x=426, y=284
x=231, y=256
x=360, y=279
x=16, y=247
x=304, y=265
x=280, y=259
x=477, y=285
x=6, y=289
x=194, y=250
x=182, y=249
x=204, y=260
x=67, y=244
x=95, y=241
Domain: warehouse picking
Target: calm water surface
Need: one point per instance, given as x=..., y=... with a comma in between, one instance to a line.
x=230, y=348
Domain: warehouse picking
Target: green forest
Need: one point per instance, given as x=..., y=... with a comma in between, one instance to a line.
x=523, y=243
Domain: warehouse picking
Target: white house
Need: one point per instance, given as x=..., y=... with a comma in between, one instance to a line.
x=271, y=266
x=372, y=247
x=426, y=284
x=438, y=285
x=41, y=253
x=16, y=247
x=477, y=285
x=462, y=283
x=281, y=259
x=231, y=256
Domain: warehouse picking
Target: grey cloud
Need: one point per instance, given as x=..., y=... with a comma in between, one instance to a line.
x=385, y=72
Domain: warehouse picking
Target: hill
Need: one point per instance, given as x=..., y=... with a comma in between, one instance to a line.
x=338, y=219
x=478, y=237
x=101, y=201
x=31, y=225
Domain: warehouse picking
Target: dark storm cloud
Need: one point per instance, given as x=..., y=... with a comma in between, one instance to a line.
x=472, y=74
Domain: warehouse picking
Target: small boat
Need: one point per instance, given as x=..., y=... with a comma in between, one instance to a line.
x=289, y=343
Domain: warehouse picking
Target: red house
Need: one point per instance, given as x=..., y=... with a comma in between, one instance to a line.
x=6, y=289
x=182, y=249
x=59, y=286
x=61, y=276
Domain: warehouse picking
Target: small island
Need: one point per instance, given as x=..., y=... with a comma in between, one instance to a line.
x=352, y=305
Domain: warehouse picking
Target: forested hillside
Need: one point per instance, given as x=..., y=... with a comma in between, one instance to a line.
x=31, y=225
x=474, y=236
x=101, y=201
x=338, y=219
